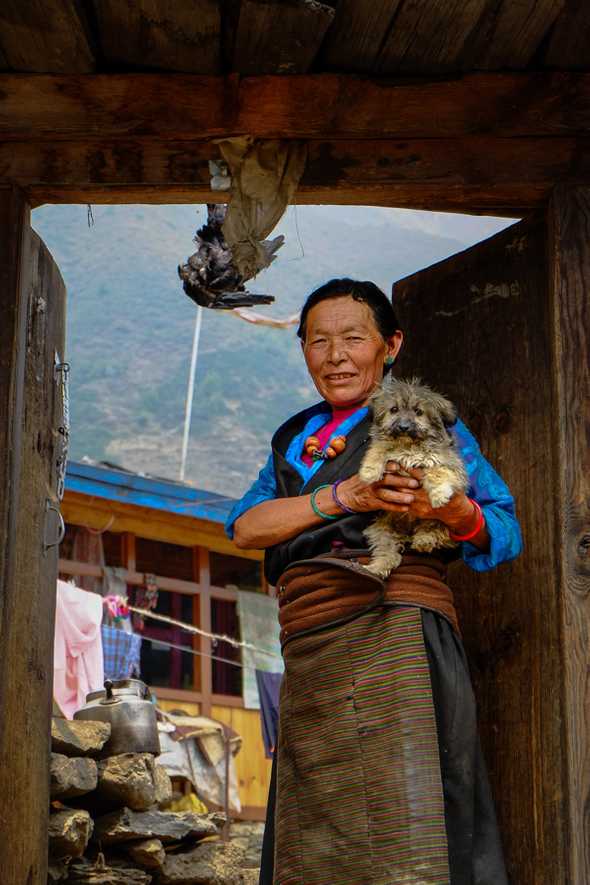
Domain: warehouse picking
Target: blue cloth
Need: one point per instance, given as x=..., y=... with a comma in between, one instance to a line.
x=269, y=689
x=121, y=653
x=485, y=486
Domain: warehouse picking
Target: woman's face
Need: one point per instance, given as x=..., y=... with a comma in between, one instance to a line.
x=344, y=350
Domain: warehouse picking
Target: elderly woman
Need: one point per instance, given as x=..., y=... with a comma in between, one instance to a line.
x=379, y=776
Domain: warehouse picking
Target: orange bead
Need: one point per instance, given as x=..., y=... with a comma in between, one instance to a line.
x=338, y=444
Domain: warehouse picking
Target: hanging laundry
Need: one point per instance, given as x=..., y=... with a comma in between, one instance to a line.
x=269, y=689
x=259, y=626
x=78, y=661
x=114, y=581
x=122, y=653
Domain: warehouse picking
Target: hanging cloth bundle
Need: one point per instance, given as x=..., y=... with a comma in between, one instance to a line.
x=232, y=246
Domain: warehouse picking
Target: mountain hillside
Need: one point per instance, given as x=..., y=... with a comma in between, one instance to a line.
x=130, y=327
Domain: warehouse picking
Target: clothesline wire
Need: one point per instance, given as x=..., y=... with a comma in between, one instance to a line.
x=192, y=651
x=190, y=628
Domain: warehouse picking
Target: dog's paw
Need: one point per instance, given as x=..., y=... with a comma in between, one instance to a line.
x=441, y=495
x=383, y=566
x=370, y=473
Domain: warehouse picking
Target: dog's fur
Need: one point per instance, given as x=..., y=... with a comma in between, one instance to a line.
x=411, y=427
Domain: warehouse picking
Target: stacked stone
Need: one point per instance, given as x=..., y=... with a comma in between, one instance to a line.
x=107, y=828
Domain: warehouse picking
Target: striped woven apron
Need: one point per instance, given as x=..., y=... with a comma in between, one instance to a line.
x=360, y=797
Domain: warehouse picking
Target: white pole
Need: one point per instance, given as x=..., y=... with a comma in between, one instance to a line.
x=188, y=406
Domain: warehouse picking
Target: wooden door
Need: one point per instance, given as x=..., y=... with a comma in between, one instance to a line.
x=487, y=328
x=32, y=421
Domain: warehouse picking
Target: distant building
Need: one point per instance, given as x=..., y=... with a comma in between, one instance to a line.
x=146, y=531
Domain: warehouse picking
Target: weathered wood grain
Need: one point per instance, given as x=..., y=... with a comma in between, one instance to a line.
x=32, y=329
x=429, y=37
x=266, y=37
x=569, y=219
x=569, y=47
x=355, y=38
x=178, y=36
x=478, y=326
x=510, y=33
x=305, y=106
x=476, y=172
x=46, y=36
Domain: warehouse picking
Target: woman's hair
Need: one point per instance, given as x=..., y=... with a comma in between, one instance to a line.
x=365, y=291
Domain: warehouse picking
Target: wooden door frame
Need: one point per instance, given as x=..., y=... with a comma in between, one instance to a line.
x=569, y=263
x=31, y=333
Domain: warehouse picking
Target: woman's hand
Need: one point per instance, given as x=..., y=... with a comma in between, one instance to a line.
x=398, y=493
x=395, y=493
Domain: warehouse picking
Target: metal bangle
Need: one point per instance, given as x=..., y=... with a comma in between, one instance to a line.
x=315, y=507
x=337, y=500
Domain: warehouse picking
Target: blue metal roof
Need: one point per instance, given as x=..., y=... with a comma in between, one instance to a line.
x=115, y=484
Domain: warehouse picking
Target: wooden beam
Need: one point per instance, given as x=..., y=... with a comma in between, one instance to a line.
x=568, y=47
x=205, y=624
x=359, y=29
x=45, y=36
x=569, y=257
x=472, y=173
x=96, y=513
x=171, y=585
x=275, y=38
x=510, y=34
x=179, y=36
x=429, y=37
x=323, y=106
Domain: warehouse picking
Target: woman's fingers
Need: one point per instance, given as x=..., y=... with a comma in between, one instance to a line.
x=392, y=468
x=395, y=481
x=393, y=496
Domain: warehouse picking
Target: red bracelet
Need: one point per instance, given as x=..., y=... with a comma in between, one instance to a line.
x=478, y=526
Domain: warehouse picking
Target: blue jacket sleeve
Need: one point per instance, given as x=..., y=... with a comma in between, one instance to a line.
x=493, y=496
x=263, y=489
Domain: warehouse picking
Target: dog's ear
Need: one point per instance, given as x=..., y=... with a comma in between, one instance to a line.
x=448, y=413
x=445, y=409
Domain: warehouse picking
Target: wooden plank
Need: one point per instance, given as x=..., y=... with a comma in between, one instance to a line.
x=357, y=34
x=206, y=680
x=478, y=327
x=568, y=47
x=269, y=37
x=32, y=306
x=147, y=523
x=510, y=34
x=181, y=36
x=46, y=36
x=196, y=620
x=472, y=172
x=569, y=219
x=253, y=768
x=429, y=37
x=327, y=106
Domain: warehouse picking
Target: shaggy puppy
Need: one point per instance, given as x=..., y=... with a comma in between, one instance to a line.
x=410, y=427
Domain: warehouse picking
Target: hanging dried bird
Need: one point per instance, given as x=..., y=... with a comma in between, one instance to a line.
x=210, y=276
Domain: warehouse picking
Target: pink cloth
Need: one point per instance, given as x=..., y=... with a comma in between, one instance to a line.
x=325, y=432
x=78, y=664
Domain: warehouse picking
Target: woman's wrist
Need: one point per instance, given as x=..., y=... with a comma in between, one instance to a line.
x=340, y=503
x=468, y=521
x=325, y=507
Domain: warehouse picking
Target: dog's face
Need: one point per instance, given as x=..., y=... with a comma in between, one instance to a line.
x=412, y=412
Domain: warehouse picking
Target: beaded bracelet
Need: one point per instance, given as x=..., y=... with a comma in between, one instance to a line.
x=478, y=526
x=315, y=507
x=337, y=500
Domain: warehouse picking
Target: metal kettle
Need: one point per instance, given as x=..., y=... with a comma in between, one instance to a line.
x=127, y=706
